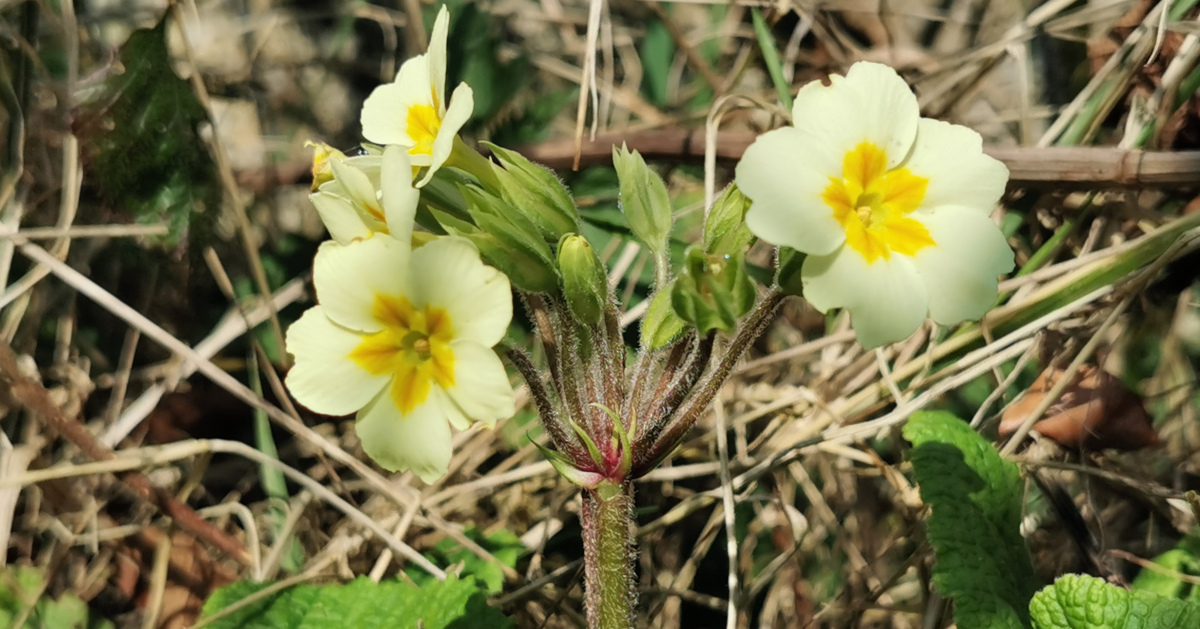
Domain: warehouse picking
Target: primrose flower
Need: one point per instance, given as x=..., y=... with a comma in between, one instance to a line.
x=348, y=198
x=891, y=208
x=412, y=111
x=403, y=338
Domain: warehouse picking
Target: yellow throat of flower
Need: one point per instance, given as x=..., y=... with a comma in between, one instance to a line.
x=413, y=347
x=424, y=122
x=873, y=203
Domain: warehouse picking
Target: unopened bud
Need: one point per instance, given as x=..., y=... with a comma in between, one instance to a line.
x=725, y=230
x=537, y=192
x=322, y=172
x=584, y=281
x=644, y=200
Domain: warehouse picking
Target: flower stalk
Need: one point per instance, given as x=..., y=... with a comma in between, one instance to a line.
x=608, y=547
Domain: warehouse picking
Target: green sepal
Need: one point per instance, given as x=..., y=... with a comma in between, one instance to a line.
x=622, y=437
x=712, y=291
x=562, y=465
x=593, y=451
x=537, y=192
x=725, y=230
x=787, y=271
x=514, y=246
x=660, y=325
x=644, y=200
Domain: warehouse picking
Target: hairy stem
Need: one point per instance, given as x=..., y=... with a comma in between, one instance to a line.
x=608, y=552
x=679, y=425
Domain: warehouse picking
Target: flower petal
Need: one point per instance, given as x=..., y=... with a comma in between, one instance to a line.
x=951, y=157
x=348, y=277
x=419, y=441
x=481, y=388
x=886, y=299
x=343, y=221
x=358, y=187
x=870, y=104
x=399, y=196
x=324, y=379
x=784, y=174
x=960, y=271
x=462, y=105
x=437, y=57
x=384, y=114
x=447, y=273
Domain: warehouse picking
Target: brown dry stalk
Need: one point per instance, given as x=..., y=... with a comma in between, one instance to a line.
x=34, y=397
x=1028, y=166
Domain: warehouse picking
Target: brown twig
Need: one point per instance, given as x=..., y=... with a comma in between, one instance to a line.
x=1028, y=166
x=36, y=399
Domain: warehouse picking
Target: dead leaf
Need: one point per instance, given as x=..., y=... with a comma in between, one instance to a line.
x=1096, y=412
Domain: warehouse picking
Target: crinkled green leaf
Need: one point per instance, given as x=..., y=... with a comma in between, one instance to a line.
x=974, y=527
x=140, y=135
x=1083, y=602
x=20, y=588
x=361, y=604
x=503, y=544
x=1183, y=559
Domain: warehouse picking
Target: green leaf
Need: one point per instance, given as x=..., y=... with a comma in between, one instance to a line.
x=1083, y=602
x=141, y=140
x=19, y=590
x=766, y=42
x=503, y=544
x=975, y=495
x=455, y=602
x=1183, y=559
x=658, y=54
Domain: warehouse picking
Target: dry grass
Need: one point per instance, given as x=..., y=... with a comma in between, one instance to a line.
x=123, y=378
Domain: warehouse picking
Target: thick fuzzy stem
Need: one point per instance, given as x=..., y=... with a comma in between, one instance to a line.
x=608, y=551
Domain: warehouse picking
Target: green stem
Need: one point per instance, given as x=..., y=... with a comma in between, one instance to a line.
x=468, y=160
x=608, y=551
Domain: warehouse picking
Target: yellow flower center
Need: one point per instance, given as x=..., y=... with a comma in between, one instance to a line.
x=413, y=346
x=424, y=122
x=873, y=203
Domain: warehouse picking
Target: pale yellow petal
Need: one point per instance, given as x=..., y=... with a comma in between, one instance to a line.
x=437, y=57
x=887, y=299
x=481, y=388
x=887, y=109
x=344, y=222
x=462, y=105
x=399, y=196
x=324, y=379
x=419, y=441
x=961, y=271
x=784, y=173
x=447, y=273
x=385, y=112
x=951, y=157
x=348, y=278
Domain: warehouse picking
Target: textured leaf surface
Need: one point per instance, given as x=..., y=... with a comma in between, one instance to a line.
x=1083, y=602
x=360, y=604
x=975, y=495
x=140, y=135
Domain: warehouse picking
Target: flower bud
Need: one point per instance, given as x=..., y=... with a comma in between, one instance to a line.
x=725, y=230
x=537, y=192
x=644, y=200
x=661, y=325
x=506, y=239
x=584, y=281
x=321, y=170
x=712, y=291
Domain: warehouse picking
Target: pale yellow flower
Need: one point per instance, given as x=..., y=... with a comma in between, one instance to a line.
x=413, y=111
x=891, y=208
x=403, y=338
x=350, y=200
